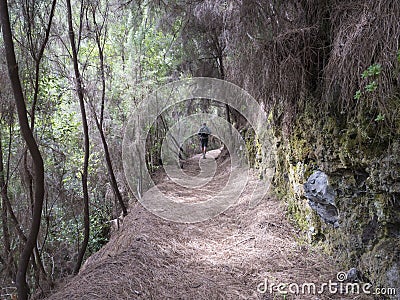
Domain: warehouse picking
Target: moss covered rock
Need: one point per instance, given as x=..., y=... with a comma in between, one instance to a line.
x=362, y=164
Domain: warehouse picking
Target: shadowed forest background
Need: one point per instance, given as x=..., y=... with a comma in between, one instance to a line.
x=326, y=73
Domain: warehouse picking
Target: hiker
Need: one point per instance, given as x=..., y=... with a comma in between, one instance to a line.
x=204, y=132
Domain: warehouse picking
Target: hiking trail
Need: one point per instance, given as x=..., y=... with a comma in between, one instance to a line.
x=226, y=257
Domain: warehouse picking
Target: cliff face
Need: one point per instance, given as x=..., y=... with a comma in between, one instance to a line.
x=341, y=185
x=363, y=178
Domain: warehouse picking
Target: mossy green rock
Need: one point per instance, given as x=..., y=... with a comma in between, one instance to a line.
x=362, y=162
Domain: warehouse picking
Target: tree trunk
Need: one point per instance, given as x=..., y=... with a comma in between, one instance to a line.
x=220, y=61
x=4, y=215
x=113, y=180
x=99, y=123
x=38, y=59
x=79, y=90
x=26, y=132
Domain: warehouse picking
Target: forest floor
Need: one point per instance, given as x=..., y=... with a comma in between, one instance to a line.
x=236, y=255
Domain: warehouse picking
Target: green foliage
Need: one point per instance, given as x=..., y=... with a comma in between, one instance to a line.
x=371, y=86
x=372, y=71
x=154, y=53
x=380, y=117
x=357, y=95
x=100, y=230
x=378, y=106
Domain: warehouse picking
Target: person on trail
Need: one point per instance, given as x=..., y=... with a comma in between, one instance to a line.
x=203, y=133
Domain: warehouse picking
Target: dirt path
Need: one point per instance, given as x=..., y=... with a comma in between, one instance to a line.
x=228, y=257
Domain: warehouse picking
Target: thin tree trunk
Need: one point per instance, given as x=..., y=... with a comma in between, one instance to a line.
x=26, y=132
x=113, y=180
x=14, y=219
x=28, y=179
x=222, y=74
x=4, y=215
x=99, y=123
x=38, y=59
x=6, y=199
x=79, y=90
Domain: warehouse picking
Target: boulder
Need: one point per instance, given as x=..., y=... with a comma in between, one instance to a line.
x=321, y=198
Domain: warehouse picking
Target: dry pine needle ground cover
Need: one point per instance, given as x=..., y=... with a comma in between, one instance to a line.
x=226, y=257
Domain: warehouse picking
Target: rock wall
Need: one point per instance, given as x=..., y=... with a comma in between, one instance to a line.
x=341, y=183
